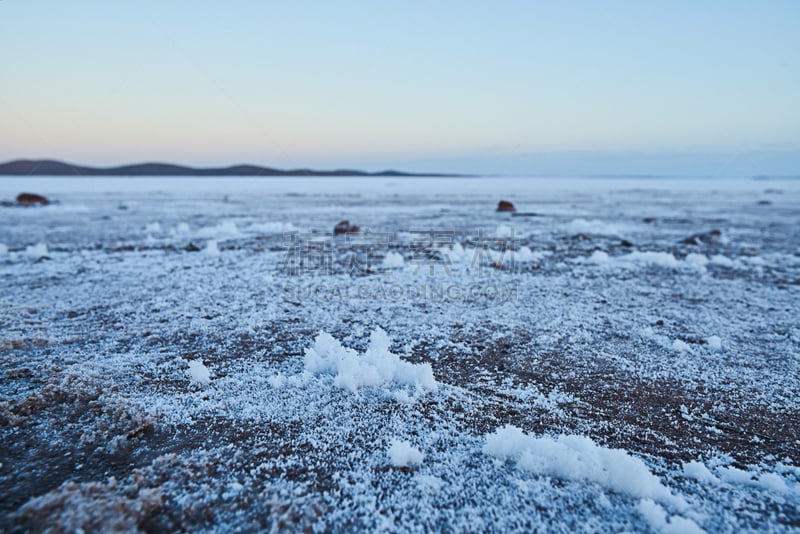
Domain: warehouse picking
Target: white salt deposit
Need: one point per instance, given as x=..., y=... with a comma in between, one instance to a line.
x=271, y=228
x=697, y=261
x=36, y=251
x=583, y=226
x=393, y=260
x=714, y=343
x=504, y=231
x=403, y=454
x=769, y=481
x=376, y=366
x=661, y=522
x=599, y=257
x=661, y=259
x=525, y=254
x=698, y=471
x=719, y=259
x=578, y=458
x=212, y=249
x=681, y=346
x=199, y=373
x=222, y=229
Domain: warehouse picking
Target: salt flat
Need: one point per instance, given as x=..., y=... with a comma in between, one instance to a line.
x=204, y=355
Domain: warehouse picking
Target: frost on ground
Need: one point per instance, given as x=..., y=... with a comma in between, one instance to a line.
x=625, y=360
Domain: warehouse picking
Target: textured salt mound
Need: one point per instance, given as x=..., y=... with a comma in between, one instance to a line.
x=681, y=346
x=697, y=261
x=638, y=258
x=199, y=373
x=222, y=230
x=504, y=231
x=582, y=226
x=656, y=517
x=662, y=259
x=403, y=454
x=36, y=251
x=212, y=249
x=715, y=343
x=769, y=481
x=578, y=458
x=271, y=228
x=393, y=260
x=698, y=471
x=377, y=366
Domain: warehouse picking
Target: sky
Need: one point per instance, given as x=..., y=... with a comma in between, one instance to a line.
x=617, y=87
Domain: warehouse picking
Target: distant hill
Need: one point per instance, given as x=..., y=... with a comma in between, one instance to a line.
x=58, y=168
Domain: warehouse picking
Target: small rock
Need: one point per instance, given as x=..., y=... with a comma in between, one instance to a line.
x=505, y=205
x=31, y=199
x=626, y=243
x=344, y=227
x=704, y=238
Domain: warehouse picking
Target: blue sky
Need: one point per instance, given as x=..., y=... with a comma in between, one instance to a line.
x=709, y=88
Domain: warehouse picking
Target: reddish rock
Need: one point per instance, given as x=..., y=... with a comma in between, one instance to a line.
x=344, y=227
x=505, y=205
x=31, y=199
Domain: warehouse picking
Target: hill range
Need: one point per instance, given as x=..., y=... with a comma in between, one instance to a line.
x=58, y=168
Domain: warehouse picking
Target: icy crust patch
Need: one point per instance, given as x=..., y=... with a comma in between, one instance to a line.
x=580, y=459
x=377, y=366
